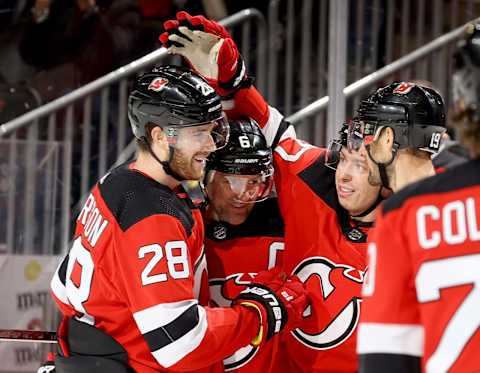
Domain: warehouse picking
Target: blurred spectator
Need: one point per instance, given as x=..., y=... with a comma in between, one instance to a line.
x=76, y=41
x=15, y=100
x=12, y=19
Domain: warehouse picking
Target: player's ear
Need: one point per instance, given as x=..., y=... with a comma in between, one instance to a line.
x=158, y=135
x=388, y=137
x=159, y=141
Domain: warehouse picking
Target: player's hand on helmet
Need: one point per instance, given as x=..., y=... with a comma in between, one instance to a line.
x=280, y=302
x=208, y=48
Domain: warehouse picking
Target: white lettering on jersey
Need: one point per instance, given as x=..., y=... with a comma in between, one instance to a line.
x=78, y=293
x=369, y=284
x=93, y=222
x=459, y=221
x=436, y=275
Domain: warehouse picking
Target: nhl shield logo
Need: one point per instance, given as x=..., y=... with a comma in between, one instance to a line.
x=220, y=232
x=355, y=235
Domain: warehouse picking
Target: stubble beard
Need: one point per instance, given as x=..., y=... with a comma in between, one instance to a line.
x=184, y=167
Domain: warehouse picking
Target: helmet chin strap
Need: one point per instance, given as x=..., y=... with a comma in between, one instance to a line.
x=372, y=207
x=165, y=164
x=382, y=167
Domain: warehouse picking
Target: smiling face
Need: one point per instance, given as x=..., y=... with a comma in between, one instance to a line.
x=191, y=151
x=355, y=193
x=231, y=197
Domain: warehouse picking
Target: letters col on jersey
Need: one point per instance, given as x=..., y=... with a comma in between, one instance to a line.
x=453, y=223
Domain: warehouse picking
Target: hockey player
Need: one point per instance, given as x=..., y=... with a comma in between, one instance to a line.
x=130, y=285
x=403, y=124
x=325, y=243
x=243, y=227
x=420, y=306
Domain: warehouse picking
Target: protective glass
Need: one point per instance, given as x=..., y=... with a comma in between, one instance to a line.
x=249, y=188
x=332, y=155
x=354, y=135
x=199, y=136
x=351, y=136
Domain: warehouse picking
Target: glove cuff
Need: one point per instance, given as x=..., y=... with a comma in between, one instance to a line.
x=231, y=86
x=260, y=337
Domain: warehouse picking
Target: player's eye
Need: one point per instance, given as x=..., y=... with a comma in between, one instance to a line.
x=360, y=166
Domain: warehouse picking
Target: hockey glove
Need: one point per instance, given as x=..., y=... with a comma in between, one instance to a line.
x=280, y=303
x=208, y=49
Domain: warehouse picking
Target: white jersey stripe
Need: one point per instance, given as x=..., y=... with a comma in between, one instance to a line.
x=58, y=288
x=177, y=350
x=160, y=315
x=271, y=127
x=390, y=339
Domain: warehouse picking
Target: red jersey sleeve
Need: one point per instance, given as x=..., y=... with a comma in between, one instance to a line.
x=389, y=321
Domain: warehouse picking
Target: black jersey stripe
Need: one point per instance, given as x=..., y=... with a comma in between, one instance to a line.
x=169, y=333
x=391, y=363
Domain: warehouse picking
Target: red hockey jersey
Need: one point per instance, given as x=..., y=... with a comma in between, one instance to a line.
x=134, y=271
x=421, y=307
x=324, y=249
x=234, y=255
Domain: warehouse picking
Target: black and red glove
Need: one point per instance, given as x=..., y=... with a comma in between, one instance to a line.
x=280, y=303
x=209, y=50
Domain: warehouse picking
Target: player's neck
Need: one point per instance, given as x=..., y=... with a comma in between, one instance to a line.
x=408, y=169
x=147, y=164
x=369, y=218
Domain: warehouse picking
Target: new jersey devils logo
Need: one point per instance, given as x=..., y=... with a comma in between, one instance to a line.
x=334, y=313
x=157, y=84
x=403, y=88
x=223, y=291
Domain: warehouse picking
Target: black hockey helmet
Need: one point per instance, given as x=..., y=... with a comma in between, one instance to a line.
x=246, y=153
x=466, y=78
x=415, y=113
x=173, y=97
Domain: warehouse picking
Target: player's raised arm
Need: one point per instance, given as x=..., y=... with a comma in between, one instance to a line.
x=211, y=51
